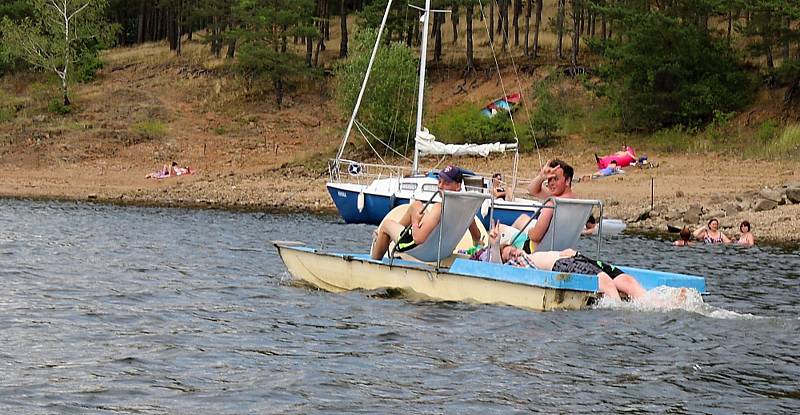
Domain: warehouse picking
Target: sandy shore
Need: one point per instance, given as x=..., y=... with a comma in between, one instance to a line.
x=678, y=183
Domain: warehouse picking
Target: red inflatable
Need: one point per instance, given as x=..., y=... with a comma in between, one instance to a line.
x=623, y=158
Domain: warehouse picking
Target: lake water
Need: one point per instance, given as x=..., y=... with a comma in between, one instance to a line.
x=109, y=309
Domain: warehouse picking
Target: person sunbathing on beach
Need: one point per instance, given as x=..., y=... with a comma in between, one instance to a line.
x=418, y=223
x=179, y=171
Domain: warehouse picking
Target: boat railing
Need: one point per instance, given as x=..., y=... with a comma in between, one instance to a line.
x=349, y=171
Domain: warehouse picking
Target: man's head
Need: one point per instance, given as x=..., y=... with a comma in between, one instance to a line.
x=450, y=178
x=560, y=180
x=685, y=234
x=508, y=252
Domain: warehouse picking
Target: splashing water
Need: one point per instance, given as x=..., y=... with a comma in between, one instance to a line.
x=665, y=299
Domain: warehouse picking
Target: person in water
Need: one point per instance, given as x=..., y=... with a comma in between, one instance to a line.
x=746, y=237
x=557, y=175
x=610, y=279
x=591, y=226
x=685, y=236
x=710, y=234
x=498, y=190
x=418, y=223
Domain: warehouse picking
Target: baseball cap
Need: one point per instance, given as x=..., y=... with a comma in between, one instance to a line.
x=452, y=173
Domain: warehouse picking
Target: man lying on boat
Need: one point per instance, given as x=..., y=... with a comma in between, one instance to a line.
x=558, y=176
x=610, y=279
x=417, y=224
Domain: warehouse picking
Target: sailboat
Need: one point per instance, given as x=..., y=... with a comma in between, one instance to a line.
x=367, y=192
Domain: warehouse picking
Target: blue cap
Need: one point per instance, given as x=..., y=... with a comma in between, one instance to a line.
x=452, y=173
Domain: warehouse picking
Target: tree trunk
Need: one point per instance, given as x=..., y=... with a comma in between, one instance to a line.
x=64, y=89
x=560, y=29
x=537, y=27
x=231, y=49
x=527, y=25
x=785, y=49
x=454, y=18
x=517, y=10
x=438, y=19
x=504, y=19
x=576, y=33
x=470, y=51
x=309, y=50
x=500, y=5
x=140, y=23
x=343, y=26
x=491, y=21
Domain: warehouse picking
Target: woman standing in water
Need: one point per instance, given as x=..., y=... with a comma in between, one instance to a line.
x=710, y=234
x=746, y=238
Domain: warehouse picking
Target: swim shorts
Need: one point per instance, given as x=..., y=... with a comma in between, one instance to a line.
x=581, y=264
x=406, y=241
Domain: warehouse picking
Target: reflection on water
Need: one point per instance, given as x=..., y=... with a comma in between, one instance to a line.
x=108, y=309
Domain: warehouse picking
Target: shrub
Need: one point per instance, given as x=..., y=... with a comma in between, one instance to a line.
x=788, y=72
x=546, y=119
x=670, y=72
x=150, y=129
x=789, y=141
x=87, y=66
x=465, y=124
x=767, y=131
x=56, y=106
x=389, y=101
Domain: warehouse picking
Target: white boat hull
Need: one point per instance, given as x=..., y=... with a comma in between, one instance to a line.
x=337, y=273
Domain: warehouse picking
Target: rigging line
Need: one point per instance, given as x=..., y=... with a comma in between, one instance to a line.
x=358, y=127
x=503, y=87
x=524, y=105
x=362, y=126
x=497, y=66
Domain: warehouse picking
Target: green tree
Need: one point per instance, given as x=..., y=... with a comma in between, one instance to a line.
x=15, y=11
x=55, y=38
x=667, y=73
x=386, y=108
x=266, y=27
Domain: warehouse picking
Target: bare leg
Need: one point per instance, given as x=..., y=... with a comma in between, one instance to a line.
x=606, y=286
x=521, y=221
x=390, y=230
x=628, y=284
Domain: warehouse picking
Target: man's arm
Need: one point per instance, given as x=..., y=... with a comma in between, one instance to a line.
x=475, y=233
x=535, y=189
x=536, y=234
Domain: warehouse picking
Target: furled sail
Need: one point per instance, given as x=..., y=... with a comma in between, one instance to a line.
x=427, y=144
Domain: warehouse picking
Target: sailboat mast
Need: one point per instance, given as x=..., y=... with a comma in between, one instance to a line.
x=421, y=93
x=364, y=83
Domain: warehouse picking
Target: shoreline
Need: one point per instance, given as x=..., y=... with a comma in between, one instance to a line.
x=311, y=206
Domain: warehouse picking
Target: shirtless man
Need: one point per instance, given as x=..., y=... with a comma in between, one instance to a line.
x=558, y=176
x=415, y=226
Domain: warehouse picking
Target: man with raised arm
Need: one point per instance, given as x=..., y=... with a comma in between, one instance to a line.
x=554, y=180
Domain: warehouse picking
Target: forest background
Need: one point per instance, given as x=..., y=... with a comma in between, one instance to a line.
x=710, y=78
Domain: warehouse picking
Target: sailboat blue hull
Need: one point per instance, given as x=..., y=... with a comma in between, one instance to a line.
x=376, y=207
